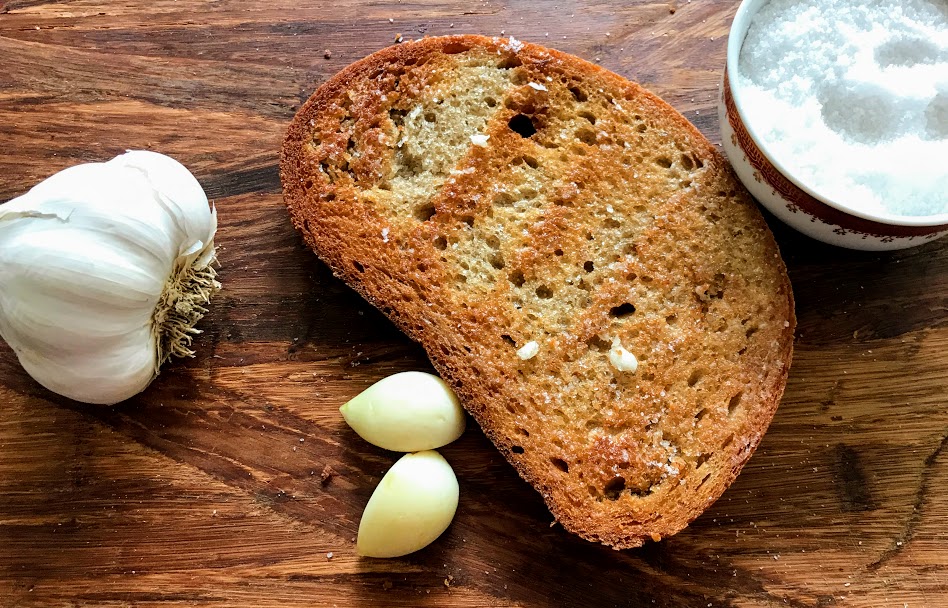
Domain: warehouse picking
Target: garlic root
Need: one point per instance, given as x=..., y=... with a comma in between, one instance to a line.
x=181, y=306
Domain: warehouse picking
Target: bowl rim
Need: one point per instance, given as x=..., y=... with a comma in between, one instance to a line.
x=742, y=18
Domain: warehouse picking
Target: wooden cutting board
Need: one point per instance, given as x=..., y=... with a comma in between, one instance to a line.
x=233, y=480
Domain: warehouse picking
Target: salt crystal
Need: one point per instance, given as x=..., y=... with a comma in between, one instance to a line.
x=384, y=235
x=514, y=45
x=852, y=99
x=536, y=85
x=480, y=140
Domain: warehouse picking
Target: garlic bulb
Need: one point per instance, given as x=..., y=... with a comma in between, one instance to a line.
x=104, y=270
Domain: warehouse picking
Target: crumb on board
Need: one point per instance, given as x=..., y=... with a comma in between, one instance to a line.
x=327, y=54
x=326, y=476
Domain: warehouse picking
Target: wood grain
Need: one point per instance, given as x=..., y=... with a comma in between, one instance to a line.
x=206, y=490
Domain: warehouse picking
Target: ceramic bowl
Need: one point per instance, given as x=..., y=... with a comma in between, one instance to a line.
x=787, y=196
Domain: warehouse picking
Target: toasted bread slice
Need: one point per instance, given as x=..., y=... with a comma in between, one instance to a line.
x=535, y=221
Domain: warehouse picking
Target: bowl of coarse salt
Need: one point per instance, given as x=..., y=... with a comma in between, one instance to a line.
x=834, y=114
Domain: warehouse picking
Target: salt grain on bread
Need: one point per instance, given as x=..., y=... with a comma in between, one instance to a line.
x=493, y=248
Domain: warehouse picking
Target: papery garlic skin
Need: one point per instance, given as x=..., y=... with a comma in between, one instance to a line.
x=104, y=268
x=411, y=507
x=406, y=412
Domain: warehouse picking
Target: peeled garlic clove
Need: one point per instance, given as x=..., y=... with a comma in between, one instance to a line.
x=411, y=507
x=104, y=270
x=406, y=412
